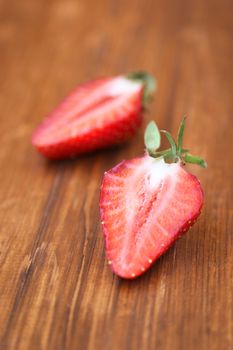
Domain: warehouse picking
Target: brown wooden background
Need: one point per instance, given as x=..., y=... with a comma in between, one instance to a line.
x=56, y=290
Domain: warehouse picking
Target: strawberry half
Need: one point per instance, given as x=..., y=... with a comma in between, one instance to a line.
x=95, y=115
x=146, y=204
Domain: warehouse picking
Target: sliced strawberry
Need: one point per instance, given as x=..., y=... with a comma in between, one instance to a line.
x=145, y=205
x=95, y=115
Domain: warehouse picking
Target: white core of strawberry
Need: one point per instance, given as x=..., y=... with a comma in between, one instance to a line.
x=159, y=170
x=153, y=172
x=121, y=86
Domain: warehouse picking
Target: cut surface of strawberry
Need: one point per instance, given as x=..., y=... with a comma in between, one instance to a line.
x=145, y=205
x=95, y=115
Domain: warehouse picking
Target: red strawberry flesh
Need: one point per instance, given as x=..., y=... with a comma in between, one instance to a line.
x=146, y=204
x=97, y=114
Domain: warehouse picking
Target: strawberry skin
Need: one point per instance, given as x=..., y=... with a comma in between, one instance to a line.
x=145, y=205
x=95, y=115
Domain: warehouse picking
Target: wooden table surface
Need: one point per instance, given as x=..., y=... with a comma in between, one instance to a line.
x=56, y=289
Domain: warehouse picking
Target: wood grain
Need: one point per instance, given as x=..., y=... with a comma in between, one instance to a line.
x=56, y=290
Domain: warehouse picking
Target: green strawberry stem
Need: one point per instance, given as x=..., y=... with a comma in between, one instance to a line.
x=176, y=152
x=148, y=82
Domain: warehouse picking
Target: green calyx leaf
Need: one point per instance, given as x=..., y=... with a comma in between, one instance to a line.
x=176, y=152
x=172, y=143
x=152, y=137
x=181, y=134
x=148, y=82
x=189, y=158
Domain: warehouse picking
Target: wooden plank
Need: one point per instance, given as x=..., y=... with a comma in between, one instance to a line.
x=57, y=291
